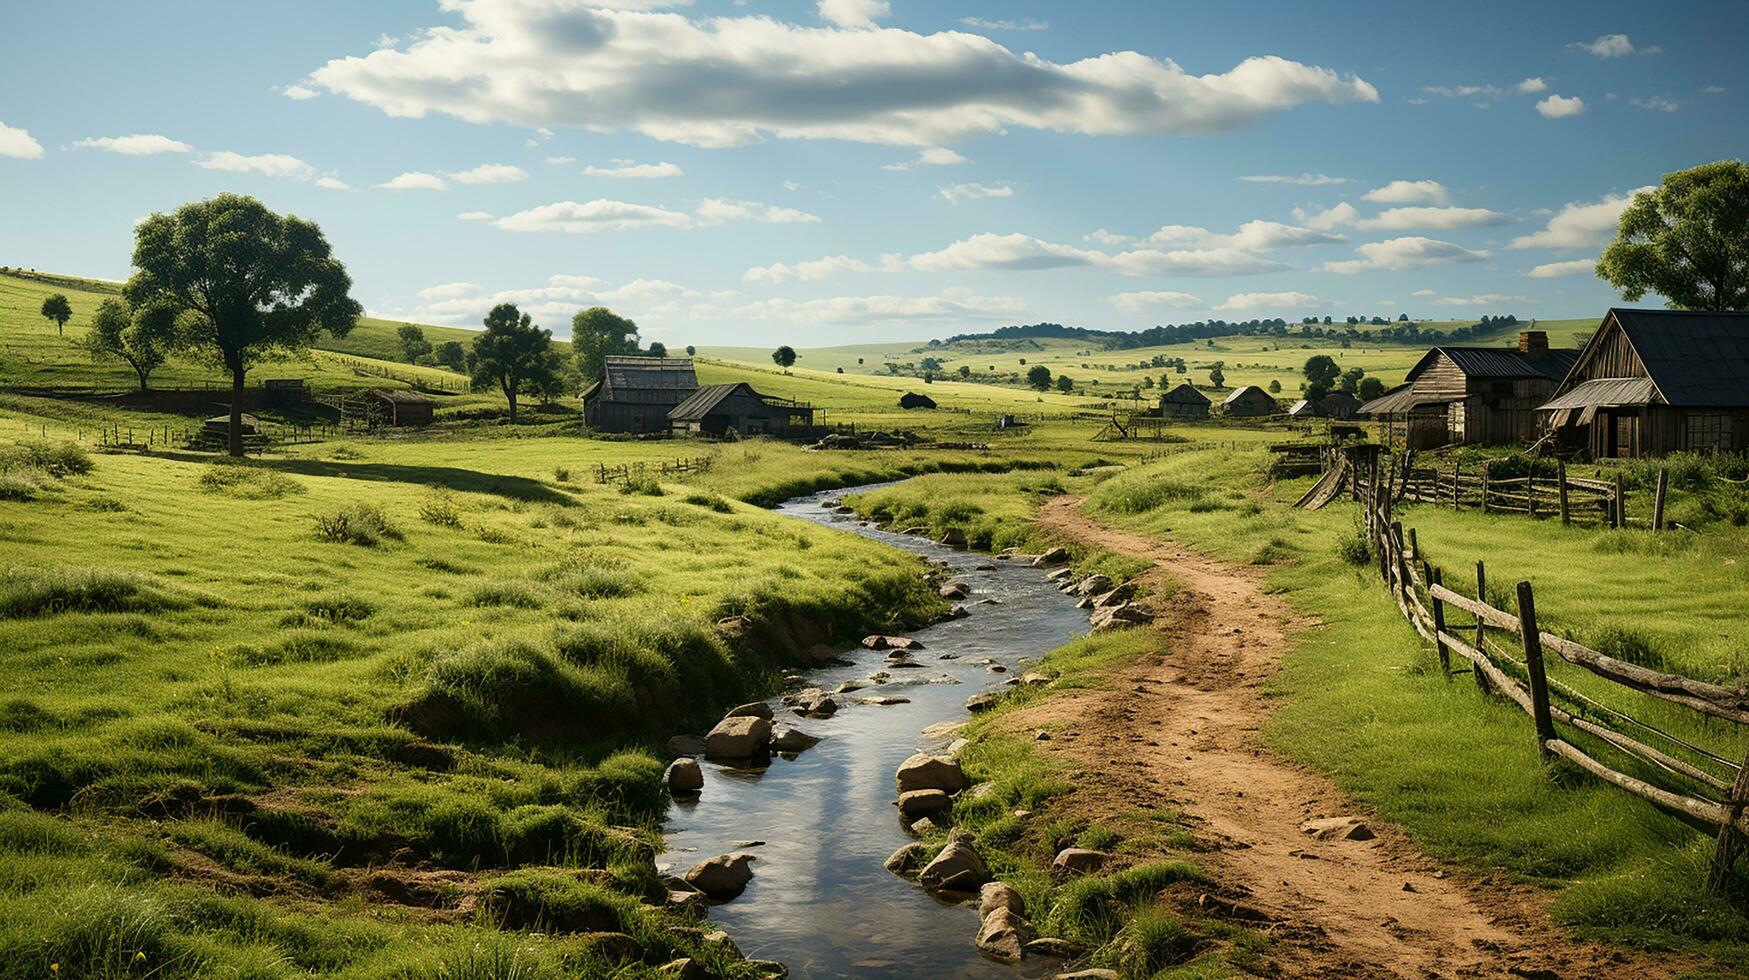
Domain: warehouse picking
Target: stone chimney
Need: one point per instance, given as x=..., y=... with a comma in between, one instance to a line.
x=1533, y=342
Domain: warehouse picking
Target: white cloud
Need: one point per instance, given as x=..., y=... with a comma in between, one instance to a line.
x=299, y=92
x=1302, y=180
x=810, y=271
x=1268, y=302
x=1613, y=46
x=1579, y=225
x=953, y=305
x=1325, y=220
x=137, y=145
x=490, y=173
x=717, y=210
x=1408, y=192
x=415, y=180
x=1480, y=299
x=270, y=164
x=1005, y=25
x=1661, y=103
x=1464, y=91
x=561, y=160
x=448, y=290
x=1531, y=86
x=1560, y=106
x=626, y=168
x=854, y=13
x=724, y=81
x=332, y=184
x=1108, y=238
x=1553, y=270
x=553, y=303
x=1255, y=236
x=1403, y=219
x=475, y=216
x=1016, y=252
x=1713, y=89
x=18, y=143
x=1425, y=292
x=1411, y=252
x=933, y=156
x=606, y=215
x=1142, y=302
x=955, y=193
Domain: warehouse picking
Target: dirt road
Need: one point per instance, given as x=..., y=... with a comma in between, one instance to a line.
x=1181, y=728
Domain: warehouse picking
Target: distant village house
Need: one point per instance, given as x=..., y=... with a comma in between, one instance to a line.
x=1184, y=402
x=1250, y=402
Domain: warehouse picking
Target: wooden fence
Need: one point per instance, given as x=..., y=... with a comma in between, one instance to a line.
x=1701, y=787
x=1571, y=499
x=626, y=471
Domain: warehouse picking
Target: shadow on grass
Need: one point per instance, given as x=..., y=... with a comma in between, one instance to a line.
x=454, y=478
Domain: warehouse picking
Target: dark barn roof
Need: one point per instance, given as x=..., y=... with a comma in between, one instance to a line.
x=701, y=402
x=1185, y=394
x=1402, y=398
x=669, y=373
x=1503, y=362
x=401, y=396
x=1696, y=358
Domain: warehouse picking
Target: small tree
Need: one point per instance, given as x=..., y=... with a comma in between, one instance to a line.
x=965, y=371
x=1039, y=377
x=1275, y=386
x=784, y=357
x=1370, y=388
x=142, y=339
x=598, y=333
x=1688, y=240
x=1322, y=369
x=1065, y=384
x=255, y=284
x=515, y=356
x=413, y=343
x=658, y=349
x=1351, y=379
x=1217, y=377
x=691, y=350
x=57, y=308
x=451, y=354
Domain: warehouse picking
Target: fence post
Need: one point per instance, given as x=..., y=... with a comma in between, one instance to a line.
x=1401, y=566
x=1481, y=627
x=1433, y=579
x=1561, y=480
x=1658, y=498
x=1621, y=504
x=1730, y=841
x=1533, y=665
x=1457, y=485
x=1485, y=488
x=1414, y=546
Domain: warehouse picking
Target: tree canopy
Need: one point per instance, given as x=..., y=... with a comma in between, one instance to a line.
x=1065, y=384
x=143, y=339
x=515, y=356
x=597, y=334
x=1322, y=369
x=1688, y=240
x=253, y=284
x=658, y=349
x=784, y=357
x=1039, y=377
x=450, y=354
x=413, y=343
x=57, y=308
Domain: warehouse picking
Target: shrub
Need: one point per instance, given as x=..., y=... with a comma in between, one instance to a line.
x=21, y=484
x=439, y=508
x=641, y=484
x=340, y=607
x=1153, y=940
x=1354, y=548
x=57, y=459
x=360, y=524
x=562, y=474
x=710, y=501
x=247, y=481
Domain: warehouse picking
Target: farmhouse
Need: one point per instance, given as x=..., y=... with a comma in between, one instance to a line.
x=1473, y=395
x=1651, y=382
x=736, y=408
x=1250, y=402
x=1184, y=402
x=635, y=394
x=397, y=406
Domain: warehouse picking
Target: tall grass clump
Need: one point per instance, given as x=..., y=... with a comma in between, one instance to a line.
x=1092, y=910
x=641, y=484
x=439, y=508
x=26, y=592
x=1139, y=493
x=57, y=459
x=361, y=524
x=247, y=481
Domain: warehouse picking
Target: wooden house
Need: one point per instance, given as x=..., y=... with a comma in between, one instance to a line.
x=398, y=406
x=721, y=410
x=1250, y=402
x=1184, y=402
x=1306, y=409
x=1339, y=405
x=1485, y=396
x=1651, y=382
x=635, y=394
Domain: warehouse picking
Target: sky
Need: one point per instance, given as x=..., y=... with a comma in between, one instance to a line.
x=819, y=172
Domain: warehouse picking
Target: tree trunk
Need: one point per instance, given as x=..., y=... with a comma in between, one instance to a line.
x=236, y=436
x=143, y=389
x=510, y=396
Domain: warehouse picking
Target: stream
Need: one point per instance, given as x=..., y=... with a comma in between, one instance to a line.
x=821, y=901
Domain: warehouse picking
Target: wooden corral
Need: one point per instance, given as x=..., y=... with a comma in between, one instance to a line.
x=1486, y=396
x=1652, y=382
x=635, y=394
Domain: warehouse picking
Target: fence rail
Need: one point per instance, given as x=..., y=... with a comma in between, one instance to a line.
x=1571, y=499
x=627, y=471
x=1421, y=594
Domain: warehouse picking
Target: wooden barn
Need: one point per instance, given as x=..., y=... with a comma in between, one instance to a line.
x=635, y=394
x=719, y=410
x=1184, y=402
x=1250, y=402
x=1652, y=382
x=398, y=406
x=1485, y=396
x=1306, y=409
x=1339, y=405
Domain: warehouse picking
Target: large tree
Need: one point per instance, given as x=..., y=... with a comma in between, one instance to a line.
x=253, y=283
x=413, y=342
x=598, y=333
x=515, y=356
x=57, y=308
x=1688, y=240
x=143, y=338
x=784, y=357
x=450, y=354
x=1039, y=377
x=1322, y=370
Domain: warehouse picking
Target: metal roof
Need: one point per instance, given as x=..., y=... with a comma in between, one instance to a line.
x=670, y=373
x=1503, y=362
x=699, y=403
x=1400, y=399
x=1185, y=394
x=1697, y=358
x=1305, y=408
x=1245, y=392
x=1604, y=393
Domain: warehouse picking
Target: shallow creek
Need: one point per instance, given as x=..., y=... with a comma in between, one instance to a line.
x=821, y=902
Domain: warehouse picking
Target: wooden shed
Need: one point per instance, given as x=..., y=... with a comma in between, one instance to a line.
x=1485, y=396
x=1184, y=402
x=1250, y=402
x=720, y=410
x=635, y=394
x=1339, y=405
x=1651, y=382
x=398, y=406
x=1306, y=409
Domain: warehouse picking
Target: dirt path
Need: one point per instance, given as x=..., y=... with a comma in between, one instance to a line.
x=1180, y=728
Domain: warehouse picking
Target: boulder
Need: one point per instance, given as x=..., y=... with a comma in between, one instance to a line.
x=686, y=745
x=924, y=827
x=757, y=709
x=683, y=777
x=884, y=700
x=1051, y=946
x=1060, y=575
x=787, y=739
x=955, y=590
x=1035, y=677
x=906, y=860
x=917, y=803
x=1079, y=860
x=723, y=877
x=1054, y=556
x=903, y=643
x=817, y=704
x=1003, y=935
x=719, y=940
x=684, y=968
x=1117, y=596
x=738, y=738
x=999, y=895
x=1093, y=585
x=614, y=947
x=957, y=863
x=982, y=702
x=953, y=537
x=874, y=642
x=1339, y=828
x=849, y=686
x=924, y=771
x=688, y=901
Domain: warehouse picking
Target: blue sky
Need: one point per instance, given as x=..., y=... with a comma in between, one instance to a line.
x=835, y=171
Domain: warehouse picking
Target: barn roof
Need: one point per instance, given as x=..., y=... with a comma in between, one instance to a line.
x=1304, y=408
x=701, y=402
x=1604, y=393
x=1402, y=398
x=1696, y=358
x=666, y=373
x=1185, y=394
x=401, y=396
x=1246, y=392
x=1502, y=362
x=1340, y=399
